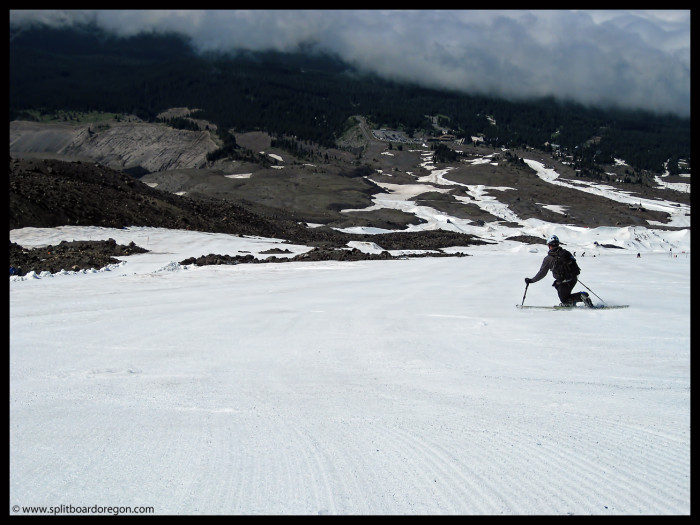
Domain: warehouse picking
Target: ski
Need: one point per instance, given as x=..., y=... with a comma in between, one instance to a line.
x=595, y=307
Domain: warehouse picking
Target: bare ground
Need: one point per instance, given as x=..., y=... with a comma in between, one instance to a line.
x=278, y=198
x=50, y=193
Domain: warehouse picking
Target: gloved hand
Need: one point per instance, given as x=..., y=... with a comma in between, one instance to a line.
x=528, y=280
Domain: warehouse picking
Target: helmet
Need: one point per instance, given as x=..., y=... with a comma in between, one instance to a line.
x=553, y=240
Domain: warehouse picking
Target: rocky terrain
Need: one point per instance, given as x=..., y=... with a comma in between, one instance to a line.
x=68, y=256
x=50, y=192
x=120, y=174
x=120, y=145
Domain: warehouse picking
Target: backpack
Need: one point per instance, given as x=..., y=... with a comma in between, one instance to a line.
x=565, y=265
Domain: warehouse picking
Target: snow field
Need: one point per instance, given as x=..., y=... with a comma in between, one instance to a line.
x=377, y=387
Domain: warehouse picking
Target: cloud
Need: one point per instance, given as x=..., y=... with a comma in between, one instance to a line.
x=633, y=59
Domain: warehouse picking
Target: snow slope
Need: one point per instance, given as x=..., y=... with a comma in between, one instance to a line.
x=379, y=387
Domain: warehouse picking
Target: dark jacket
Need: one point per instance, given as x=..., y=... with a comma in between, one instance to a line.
x=547, y=264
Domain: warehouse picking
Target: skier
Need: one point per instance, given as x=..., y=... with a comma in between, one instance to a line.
x=565, y=272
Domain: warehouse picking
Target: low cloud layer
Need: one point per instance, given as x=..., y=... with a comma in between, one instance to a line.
x=632, y=59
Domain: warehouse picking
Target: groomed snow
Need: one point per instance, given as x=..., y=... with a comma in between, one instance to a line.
x=380, y=387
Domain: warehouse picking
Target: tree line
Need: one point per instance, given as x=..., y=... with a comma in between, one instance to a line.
x=311, y=96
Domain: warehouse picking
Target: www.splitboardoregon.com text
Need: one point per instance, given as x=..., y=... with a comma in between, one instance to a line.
x=82, y=509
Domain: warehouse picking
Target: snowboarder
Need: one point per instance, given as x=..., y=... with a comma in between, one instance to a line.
x=565, y=272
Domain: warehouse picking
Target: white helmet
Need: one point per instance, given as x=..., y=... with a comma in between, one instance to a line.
x=553, y=240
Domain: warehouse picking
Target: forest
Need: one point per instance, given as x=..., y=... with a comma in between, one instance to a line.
x=311, y=96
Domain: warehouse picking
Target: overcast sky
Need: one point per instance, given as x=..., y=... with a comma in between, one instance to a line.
x=637, y=59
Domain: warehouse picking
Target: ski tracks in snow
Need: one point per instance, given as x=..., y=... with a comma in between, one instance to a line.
x=382, y=387
x=472, y=457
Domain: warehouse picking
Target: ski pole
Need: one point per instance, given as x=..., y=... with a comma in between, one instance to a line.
x=598, y=296
x=526, y=285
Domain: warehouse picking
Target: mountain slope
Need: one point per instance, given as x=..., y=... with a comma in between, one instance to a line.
x=45, y=193
x=125, y=145
x=49, y=193
x=311, y=97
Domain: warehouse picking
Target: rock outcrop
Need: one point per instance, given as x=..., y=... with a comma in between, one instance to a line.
x=153, y=147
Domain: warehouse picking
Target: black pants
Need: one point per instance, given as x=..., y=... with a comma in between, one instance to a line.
x=564, y=291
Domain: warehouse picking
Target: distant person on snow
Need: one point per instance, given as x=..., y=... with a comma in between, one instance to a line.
x=565, y=271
